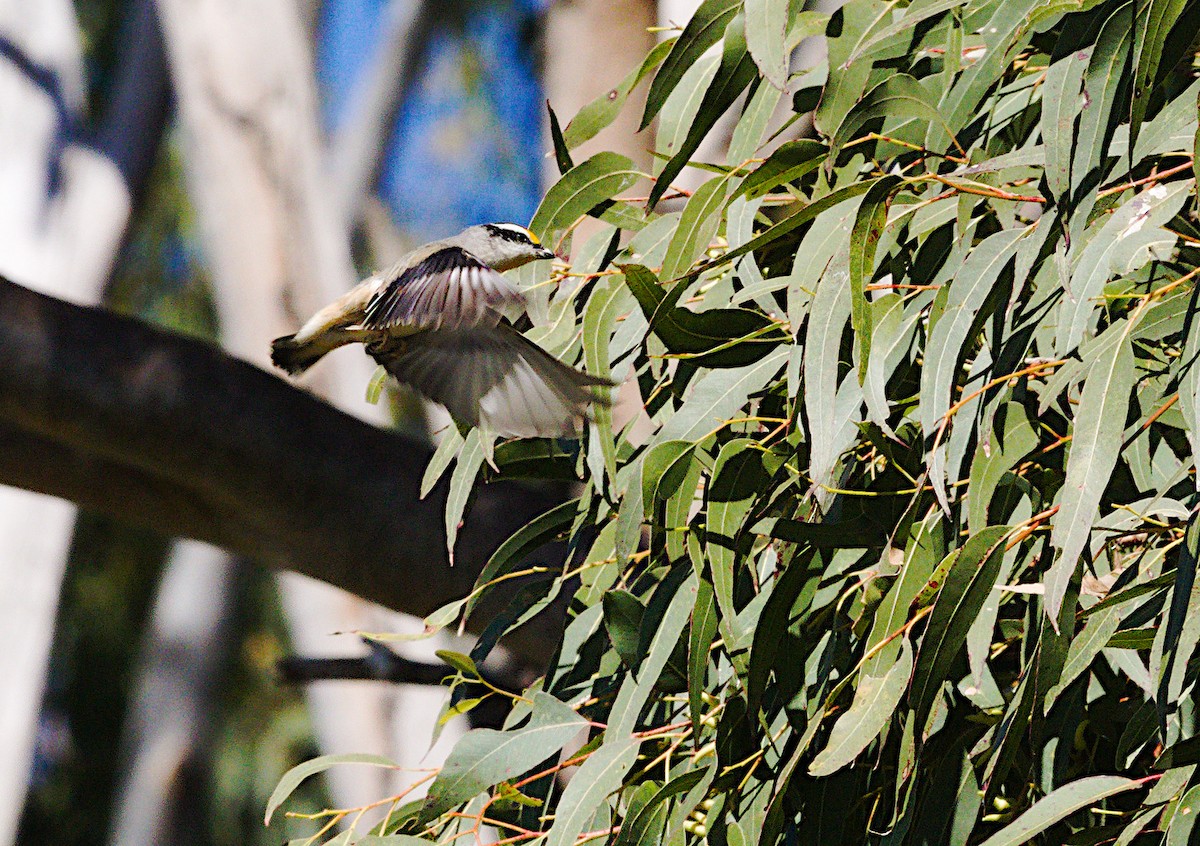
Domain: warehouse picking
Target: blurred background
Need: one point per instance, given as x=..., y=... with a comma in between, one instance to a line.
x=223, y=168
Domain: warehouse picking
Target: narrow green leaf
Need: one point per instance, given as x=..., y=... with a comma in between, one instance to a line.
x=766, y=34
x=753, y=124
x=1101, y=82
x=829, y=408
x=899, y=95
x=875, y=701
x=635, y=691
x=1061, y=103
x=447, y=451
x=537, y=532
x=949, y=336
x=868, y=229
x=791, y=161
x=1059, y=805
x=1154, y=22
x=609, y=300
x=1095, y=446
x=704, y=627
x=562, y=154
x=696, y=228
x=702, y=31
x=707, y=337
x=1183, y=622
x=483, y=758
x=623, y=620
x=634, y=828
x=293, y=777
x=738, y=479
x=734, y=74
x=967, y=585
x=716, y=397
x=602, y=111
x=460, y=662
x=880, y=36
x=582, y=189
x=1011, y=439
x=1183, y=821
x=462, y=481
x=600, y=775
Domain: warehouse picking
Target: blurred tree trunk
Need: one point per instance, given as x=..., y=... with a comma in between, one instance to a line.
x=64, y=207
x=590, y=46
x=279, y=249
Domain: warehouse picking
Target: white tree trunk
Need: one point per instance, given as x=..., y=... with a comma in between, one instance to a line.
x=278, y=250
x=65, y=246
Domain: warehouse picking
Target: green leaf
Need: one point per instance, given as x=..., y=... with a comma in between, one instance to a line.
x=562, y=154
x=1101, y=82
x=634, y=828
x=1095, y=446
x=924, y=550
x=970, y=580
x=791, y=223
x=1061, y=103
x=581, y=190
x=704, y=627
x=462, y=481
x=879, y=36
x=734, y=74
x=602, y=111
x=766, y=38
x=608, y=301
x=830, y=409
x=702, y=31
x=753, y=124
x=696, y=228
x=483, y=758
x=1154, y=22
x=293, y=777
x=1179, y=832
x=1005, y=32
x=1130, y=238
x=948, y=337
x=738, y=478
x=1011, y=439
x=899, y=95
x=623, y=620
x=718, y=396
x=635, y=691
x=868, y=229
x=447, y=451
x=460, y=662
x=1059, y=805
x=791, y=161
x=725, y=337
x=536, y=533
x=601, y=774
x=875, y=701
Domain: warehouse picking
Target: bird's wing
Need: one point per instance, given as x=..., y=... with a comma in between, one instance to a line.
x=495, y=378
x=448, y=288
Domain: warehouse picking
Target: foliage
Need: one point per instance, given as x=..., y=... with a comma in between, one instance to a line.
x=909, y=554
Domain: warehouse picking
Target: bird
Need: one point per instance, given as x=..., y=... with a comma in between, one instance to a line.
x=438, y=321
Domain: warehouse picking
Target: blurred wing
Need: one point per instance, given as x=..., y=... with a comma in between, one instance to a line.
x=495, y=378
x=449, y=288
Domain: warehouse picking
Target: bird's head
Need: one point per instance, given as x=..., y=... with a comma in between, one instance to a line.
x=503, y=246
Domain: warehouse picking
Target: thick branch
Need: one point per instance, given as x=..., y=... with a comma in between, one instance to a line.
x=171, y=433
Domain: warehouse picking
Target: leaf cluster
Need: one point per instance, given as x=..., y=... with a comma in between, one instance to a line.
x=905, y=551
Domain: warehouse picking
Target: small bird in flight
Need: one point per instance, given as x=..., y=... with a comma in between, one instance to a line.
x=436, y=321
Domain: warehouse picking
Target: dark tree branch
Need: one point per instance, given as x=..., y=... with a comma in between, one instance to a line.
x=171, y=433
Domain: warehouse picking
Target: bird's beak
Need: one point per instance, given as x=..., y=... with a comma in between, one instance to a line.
x=543, y=253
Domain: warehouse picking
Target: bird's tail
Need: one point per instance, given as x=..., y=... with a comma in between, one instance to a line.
x=296, y=356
